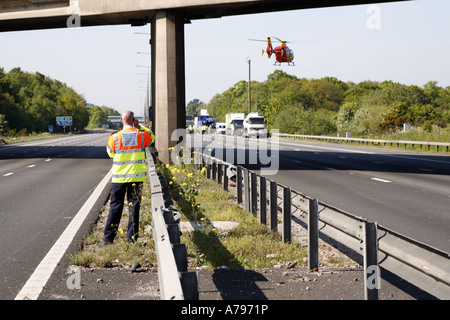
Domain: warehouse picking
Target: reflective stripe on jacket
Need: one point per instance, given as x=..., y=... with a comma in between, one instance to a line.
x=126, y=148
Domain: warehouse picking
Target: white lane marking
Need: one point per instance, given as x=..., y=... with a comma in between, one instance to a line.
x=33, y=288
x=381, y=180
x=31, y=166
x=8, y=174
x=48, y=160
x=328, y=168
x=325, y=148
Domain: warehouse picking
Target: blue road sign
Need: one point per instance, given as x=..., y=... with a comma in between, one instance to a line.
x=63, y=121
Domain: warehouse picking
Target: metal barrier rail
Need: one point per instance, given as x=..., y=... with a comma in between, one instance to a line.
x=423, y=266
x=373, y=141
x=175, y=283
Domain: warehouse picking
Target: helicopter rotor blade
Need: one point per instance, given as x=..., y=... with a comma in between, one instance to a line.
x=279, y=40
x=257, y=40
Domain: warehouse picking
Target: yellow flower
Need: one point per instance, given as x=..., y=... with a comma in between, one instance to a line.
x=202, y=219
x=167, y=165
x=171, y=182
x=189, y=175
x=134, y=184
x=130, y=204
x=184, y=184
x=203, y=170
x=173, y=178
x=121, y=231
x=214, y=230
x=193, y=185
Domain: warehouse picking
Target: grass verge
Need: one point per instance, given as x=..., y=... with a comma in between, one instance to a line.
x=250, y=245
x=120, y=253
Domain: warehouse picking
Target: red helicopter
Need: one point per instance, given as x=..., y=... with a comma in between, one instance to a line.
x=283, y=54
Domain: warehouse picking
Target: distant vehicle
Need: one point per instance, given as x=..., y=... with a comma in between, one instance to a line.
x=220, y=127
x=189, y=121
x=203, y=121
x=254, y=125
x=234, y=123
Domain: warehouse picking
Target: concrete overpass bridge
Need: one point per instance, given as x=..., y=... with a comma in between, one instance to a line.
x=167, y=19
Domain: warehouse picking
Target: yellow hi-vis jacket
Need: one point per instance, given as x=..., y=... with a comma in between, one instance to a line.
x=126, y=148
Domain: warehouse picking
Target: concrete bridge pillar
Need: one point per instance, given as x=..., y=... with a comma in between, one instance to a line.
x=168, y=78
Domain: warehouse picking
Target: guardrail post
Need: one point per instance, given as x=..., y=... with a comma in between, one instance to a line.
x=208, y=170
x=286, y=215
x=262, y=200
x=189, y=284
x=225, y=177
x=180, y=253
x=214, y=170
x=313, y=235
x=371, y=269
x=246, y=190
x=273, y=206
x=219, y=173
x=239, y=184
x=254, y=192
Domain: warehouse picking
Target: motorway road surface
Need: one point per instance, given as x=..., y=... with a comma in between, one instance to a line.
x=43, y=184
x=407, y=192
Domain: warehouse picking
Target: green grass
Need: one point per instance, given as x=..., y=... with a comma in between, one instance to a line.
x=250, y=245
x=32, y=137
x=438, y=135
x=441, y=135
x=120, y=253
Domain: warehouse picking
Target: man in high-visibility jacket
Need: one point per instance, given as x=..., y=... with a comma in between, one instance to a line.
x=126, y=148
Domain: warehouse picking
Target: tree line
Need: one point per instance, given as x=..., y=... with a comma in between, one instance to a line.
x=328, y=105
x=30, y=102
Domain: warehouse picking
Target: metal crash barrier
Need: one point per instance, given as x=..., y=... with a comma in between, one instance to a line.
x=175, y=282
x=423, y=266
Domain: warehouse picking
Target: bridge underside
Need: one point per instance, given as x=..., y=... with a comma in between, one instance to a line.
x=55, y=14
x=167, y=18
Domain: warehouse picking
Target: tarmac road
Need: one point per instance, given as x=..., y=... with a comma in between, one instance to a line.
x=43, y=184
x=405, y=191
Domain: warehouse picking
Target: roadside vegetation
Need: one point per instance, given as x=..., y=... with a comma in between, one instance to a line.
x=249, y=245
x=30, y=102
x=328, y=106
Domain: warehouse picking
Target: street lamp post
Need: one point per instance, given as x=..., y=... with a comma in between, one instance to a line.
x=147, y=99
x=149, y=102
x=249, y=85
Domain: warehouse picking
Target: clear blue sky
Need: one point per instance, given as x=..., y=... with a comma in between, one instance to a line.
x=411, y=46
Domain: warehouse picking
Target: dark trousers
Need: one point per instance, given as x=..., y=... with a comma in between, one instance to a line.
x=134, y=195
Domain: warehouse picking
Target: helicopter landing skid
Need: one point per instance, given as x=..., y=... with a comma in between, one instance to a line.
x=288, y=63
